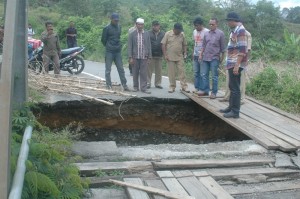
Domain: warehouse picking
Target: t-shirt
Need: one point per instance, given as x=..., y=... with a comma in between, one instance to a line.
x=198, y=40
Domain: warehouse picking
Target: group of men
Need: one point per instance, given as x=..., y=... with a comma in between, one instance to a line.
x=146, y=49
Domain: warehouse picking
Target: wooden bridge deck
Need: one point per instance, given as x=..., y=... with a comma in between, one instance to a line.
x=271, y=128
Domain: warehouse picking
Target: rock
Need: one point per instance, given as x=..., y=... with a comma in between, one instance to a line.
x=284, y=161
x=296, y=160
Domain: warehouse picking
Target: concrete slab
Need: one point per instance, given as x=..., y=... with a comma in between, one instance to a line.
x=96, y=149
x=212, y=150
x=106, y=194
x=284, y=161
x=296, y=161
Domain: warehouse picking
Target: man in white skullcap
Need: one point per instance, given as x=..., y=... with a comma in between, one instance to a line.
x=139, y=55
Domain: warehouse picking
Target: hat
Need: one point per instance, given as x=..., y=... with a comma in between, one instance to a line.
x=178, y=26
x=140, y=20
x=114, y=16
x=155, y=23
x=232, y=16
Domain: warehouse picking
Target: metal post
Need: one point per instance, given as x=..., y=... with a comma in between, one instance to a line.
x=10, y=50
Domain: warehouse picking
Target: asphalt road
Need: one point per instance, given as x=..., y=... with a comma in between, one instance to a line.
x=97, y=70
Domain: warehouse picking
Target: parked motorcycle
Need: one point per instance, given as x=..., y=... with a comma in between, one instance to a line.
x=71, y=60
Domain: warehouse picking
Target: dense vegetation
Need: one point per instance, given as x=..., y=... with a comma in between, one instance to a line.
x=49, y=169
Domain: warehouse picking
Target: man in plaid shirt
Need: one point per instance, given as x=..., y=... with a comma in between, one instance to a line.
x=235, y=63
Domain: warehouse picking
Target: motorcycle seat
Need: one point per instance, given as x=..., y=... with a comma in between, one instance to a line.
x=69, y=50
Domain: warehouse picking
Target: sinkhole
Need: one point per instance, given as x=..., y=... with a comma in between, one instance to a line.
x=140, y=121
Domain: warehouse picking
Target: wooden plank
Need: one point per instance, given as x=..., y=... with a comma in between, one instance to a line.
x=183, y=173
x=275, y=132
x=214, y=188
x=283, y=145
x=156, y=184
x=88, y=168
x=229, y=173
x=195, y=188
x=171, y=183
x=134, y=193
x=152, y=190
x=240, y=124
x=272, y=108
x=192, y=163
x=263, y=187
x=273, y=120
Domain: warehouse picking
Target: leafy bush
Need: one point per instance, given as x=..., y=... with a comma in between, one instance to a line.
x=281, y=89
x=50, y=172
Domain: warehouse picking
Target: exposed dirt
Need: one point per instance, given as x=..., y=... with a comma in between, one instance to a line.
x=154, y=121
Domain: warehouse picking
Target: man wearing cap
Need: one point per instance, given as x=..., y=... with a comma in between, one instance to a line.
x=235, y=63
x=139, y=55
x=111, y=40
x=156, y=35
x=174, y=46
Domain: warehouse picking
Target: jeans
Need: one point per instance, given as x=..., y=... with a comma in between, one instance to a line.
x=212, y=66
x=197, y=76
x=117, y=58
x=235, y=93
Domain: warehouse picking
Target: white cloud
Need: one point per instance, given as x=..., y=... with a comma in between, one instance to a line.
x=284, y=3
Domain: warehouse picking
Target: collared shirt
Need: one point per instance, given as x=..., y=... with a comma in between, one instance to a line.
x=140, y=45
x=237, y=46
x=51, y=43
x=174, y=45
x=198, y=40
x=213, y=44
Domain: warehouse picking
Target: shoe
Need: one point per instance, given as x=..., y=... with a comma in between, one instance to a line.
x=195, y=91
x=171, y=90
x=125, y=88
x=135, y=90
x=201, y=93
x=231, y=114
x=212, y=96
x=184, y=90
x=226, y=110
x=223, y=100
x=146, y=91
x=160, y=87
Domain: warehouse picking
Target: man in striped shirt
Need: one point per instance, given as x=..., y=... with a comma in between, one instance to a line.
x=235, y=63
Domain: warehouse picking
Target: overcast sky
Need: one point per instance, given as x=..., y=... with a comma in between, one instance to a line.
x=285, y=3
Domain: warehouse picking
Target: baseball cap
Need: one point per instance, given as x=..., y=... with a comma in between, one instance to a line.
x=114, y=16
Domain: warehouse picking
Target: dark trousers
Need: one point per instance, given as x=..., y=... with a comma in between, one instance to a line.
x=235, y=92
x=117, y=58
x=140, y=71
x=71, y=44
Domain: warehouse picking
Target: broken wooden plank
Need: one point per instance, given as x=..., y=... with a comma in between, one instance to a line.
x=135, y=193
x=156, y=184
x=191, y=163
x=88, y=168
x=186, y=173
x=171, y=183
x=239, y=189
x=153, y=190
x=215, y=188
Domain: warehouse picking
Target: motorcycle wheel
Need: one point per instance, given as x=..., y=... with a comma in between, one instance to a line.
x=77, y=66
x=35, y=66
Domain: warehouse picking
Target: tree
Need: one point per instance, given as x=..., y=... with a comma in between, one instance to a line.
x=294, y=15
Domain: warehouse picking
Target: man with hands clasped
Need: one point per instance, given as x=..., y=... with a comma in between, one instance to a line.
x=51, y=50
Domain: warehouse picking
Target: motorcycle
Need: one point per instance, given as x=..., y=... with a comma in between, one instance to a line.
x=71, y=60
